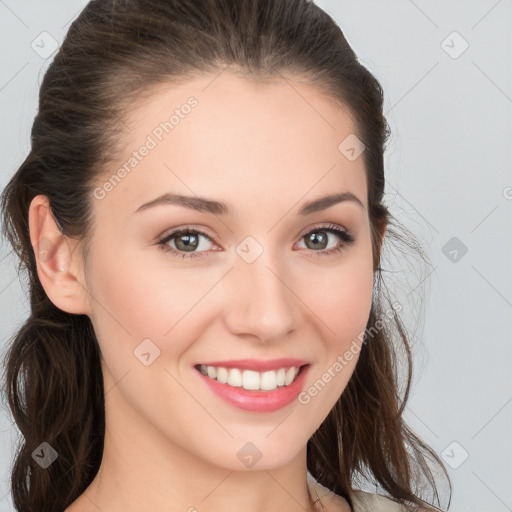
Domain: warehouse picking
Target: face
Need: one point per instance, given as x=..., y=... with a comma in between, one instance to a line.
x=256, y=285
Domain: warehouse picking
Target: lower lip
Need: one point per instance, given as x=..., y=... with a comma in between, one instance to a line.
x=258, y=401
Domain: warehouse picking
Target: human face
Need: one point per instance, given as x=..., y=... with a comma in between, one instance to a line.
x=252, y=285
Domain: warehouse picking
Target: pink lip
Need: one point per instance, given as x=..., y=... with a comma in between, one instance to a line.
x=258, y=401
x=259, y=365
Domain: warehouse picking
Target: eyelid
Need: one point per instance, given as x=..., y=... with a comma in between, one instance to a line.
x=188, y=229
x=319, y=227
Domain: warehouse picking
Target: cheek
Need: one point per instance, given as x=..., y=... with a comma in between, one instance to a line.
x=341, y=299
x=348, y=306
x=140, y=298
x=341, y=306
x=133, y=301
x=137, y=317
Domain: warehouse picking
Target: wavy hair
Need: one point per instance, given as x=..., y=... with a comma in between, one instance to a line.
x=114, y=53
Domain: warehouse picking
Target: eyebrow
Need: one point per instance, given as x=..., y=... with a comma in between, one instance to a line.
x=202, y=204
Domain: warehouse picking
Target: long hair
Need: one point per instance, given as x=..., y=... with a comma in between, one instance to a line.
x=112, y=55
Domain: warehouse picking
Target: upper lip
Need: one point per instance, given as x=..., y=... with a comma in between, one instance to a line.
x=258, y=365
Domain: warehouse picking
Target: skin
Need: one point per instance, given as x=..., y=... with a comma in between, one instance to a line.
x=265, y=149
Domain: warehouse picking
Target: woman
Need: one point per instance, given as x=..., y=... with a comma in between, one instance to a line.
x=201, y=220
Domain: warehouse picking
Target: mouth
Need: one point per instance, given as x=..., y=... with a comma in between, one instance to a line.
x=255, y=385
x=250, y=379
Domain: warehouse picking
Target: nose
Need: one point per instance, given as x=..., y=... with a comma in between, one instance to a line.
x=260, y=302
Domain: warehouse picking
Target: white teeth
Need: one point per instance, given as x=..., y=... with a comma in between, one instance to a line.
x=249, y=379
x=235, y=377
x=269, y=381
x=290, y=375
x=222, y=375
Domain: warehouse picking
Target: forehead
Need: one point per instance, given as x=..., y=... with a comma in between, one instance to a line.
x=229, y=137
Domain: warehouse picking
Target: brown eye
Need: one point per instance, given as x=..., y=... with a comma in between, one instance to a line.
x=317, y=240
x=322, y=239
x=183, y=241
x=188, y=242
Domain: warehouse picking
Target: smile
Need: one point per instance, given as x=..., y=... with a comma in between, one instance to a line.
x=255, y=385
x=249, y=379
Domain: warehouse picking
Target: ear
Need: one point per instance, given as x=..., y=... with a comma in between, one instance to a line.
x=59, y=262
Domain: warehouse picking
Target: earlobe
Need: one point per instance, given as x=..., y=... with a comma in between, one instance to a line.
x=58, y=261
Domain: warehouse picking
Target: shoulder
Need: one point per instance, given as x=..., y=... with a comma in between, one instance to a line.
x=370, y=502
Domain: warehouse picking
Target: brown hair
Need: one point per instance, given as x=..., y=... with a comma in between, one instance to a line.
x=113, y=54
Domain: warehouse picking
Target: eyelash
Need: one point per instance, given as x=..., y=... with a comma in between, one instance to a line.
x=345, y=236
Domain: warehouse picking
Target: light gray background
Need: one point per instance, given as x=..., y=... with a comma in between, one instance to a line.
x=448, y=175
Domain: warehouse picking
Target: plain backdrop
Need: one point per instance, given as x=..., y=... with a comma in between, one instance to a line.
x=446, y=70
